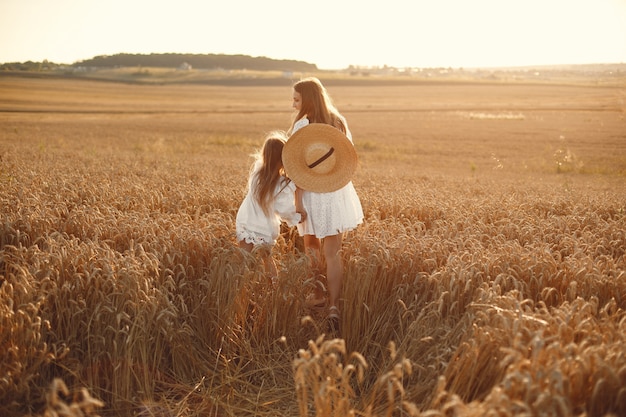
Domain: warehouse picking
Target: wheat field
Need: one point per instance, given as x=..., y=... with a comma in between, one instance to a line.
x=488, y=278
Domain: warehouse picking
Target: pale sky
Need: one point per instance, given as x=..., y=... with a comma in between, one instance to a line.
x=332, y=34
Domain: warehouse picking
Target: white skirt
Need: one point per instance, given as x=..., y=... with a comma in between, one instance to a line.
x=331, y=213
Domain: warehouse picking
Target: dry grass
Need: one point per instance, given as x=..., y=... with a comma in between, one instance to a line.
x=489, y=277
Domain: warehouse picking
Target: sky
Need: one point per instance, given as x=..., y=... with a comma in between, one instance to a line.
x=333, y=34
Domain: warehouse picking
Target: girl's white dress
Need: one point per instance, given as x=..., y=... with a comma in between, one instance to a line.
x=253, y=225
x=329, y=213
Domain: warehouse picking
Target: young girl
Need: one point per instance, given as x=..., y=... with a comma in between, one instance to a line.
x=269, y=200
x=329, y=215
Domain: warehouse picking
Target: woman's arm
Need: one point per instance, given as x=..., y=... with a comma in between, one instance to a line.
x=299, y=205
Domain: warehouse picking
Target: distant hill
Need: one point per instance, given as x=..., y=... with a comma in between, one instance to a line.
x=171, y=60
x=196, y=61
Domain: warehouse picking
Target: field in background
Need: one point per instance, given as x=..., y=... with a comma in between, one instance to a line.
x=489, y=273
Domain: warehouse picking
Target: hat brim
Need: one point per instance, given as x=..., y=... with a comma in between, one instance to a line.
x=331, y=174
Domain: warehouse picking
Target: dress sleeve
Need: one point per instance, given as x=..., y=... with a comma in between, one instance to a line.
x=300, y=124
x=285, y=204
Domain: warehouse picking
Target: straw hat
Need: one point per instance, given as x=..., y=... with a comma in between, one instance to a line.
x=319, y=158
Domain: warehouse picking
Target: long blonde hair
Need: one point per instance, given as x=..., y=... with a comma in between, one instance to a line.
x=270, y=173
x=317, y=105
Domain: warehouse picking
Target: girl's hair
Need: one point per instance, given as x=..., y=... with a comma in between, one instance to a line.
x=270, y=172
x=317, y=105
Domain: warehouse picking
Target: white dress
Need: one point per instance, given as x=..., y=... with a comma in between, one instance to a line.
x=329, y=213
x=254, y=226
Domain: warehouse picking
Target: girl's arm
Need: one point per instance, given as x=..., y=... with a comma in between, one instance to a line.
x=286, y=206
x=299, y=205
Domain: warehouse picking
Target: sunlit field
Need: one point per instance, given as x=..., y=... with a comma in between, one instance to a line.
x=488, y=278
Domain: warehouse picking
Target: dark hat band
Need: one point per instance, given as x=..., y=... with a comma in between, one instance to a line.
x=322, y=159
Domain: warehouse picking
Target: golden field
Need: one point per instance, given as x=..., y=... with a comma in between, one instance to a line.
x=489, y=276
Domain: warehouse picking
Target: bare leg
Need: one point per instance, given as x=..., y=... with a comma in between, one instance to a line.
x=268, y=261
x=312, y=244
x=245, y=245
x=334, y=267
x=270, y=267
x=312, y=247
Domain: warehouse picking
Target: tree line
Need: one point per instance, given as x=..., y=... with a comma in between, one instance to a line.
x=172, y=60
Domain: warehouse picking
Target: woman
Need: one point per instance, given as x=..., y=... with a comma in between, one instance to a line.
x=329, y=214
